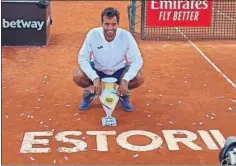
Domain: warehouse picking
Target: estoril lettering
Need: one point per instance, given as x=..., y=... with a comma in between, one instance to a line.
x=20, y=23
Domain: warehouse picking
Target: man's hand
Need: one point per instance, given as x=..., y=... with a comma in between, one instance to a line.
x=97, y=86
x=123, y=88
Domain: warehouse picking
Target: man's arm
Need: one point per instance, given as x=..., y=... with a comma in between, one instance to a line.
x=134, y=58
x=84, y=58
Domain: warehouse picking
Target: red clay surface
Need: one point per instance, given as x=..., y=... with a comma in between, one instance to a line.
x=174, y=72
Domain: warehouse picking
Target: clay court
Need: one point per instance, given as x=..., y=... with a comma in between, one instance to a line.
x=182, y=91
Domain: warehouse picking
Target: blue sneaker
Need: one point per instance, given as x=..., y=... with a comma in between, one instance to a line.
x=125, y=103
x=87, y=100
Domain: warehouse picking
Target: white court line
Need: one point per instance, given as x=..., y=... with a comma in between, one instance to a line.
x=213, y=65
x=208, y=60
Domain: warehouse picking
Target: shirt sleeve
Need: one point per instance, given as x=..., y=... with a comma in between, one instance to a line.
x=134, y=57
x=84, y=58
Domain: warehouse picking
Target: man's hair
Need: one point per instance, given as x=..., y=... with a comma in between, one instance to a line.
x=110, y=12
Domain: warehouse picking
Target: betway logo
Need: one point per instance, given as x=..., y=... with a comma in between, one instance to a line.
x=23, y=24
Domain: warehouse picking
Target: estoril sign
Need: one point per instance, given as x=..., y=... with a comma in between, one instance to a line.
x=71, y=141
x=28, y=25
x=20, y=23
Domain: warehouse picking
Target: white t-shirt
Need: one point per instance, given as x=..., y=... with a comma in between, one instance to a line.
x=110, y=56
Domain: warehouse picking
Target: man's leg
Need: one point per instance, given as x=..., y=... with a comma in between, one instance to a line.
x=136, y=82
x=80, y=78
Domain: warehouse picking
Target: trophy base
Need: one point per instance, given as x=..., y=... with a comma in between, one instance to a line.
x=109, y=121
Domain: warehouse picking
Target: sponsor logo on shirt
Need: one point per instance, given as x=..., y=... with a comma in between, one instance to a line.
x=100, y=47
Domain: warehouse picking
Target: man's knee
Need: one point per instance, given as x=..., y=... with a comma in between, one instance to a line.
x=140, y=78
x=80, y=78
x=137, y=81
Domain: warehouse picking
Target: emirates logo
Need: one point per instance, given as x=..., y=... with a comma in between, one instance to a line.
x=179, y=12
x=179, y=4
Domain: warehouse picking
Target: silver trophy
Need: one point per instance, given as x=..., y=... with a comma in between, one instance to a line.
x=109, y=100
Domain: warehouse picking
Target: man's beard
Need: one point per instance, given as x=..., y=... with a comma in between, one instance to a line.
x=110, y=34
